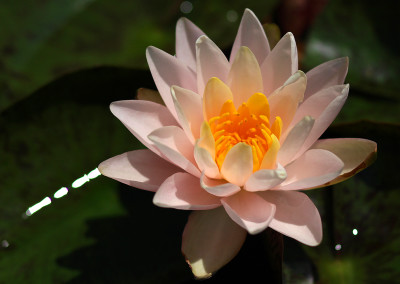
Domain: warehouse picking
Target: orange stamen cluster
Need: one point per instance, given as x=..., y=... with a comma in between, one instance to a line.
x=234, y=126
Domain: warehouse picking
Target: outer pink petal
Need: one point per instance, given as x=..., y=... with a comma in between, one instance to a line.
x=167, y=70
x=141, y=169
x=176, y=147
x=323, y=120
x=285, y=100
x=210, y=240
x=211, y=62
x=141, y=118
x=328, y=74
x=314, y=168
x=251, y=34
x=265, y=179
x=294, y=140
x=188, y=106
x=280, y=64
x=249, y=210
x=183, y=191
x=186, y=35
x=219, y=188
x=316, y=104
x=296, y=216
x=356, y=154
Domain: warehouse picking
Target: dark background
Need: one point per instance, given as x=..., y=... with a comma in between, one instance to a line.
x=62, y=63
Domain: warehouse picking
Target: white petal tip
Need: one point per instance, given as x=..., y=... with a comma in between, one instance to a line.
x=201, y=39
x=290, y=35
x=296, y=76
x=199, y=270
x=255, y=232
x=281, y=173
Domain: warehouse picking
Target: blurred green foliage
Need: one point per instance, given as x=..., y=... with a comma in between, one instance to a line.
x=41, y=40
x=363, y=31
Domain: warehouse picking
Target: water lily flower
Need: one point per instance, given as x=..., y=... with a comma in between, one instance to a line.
x=237, y=140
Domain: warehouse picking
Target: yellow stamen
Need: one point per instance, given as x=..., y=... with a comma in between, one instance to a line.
x=249, y=124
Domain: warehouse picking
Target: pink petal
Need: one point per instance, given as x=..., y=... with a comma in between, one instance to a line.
x=218, y=187
x=280, y=64
x=316, y=104
x=141, y=118
x=325, y=118
x=251, y=34
x=186, y=35
x=238, y=164
x=210, y=240
x=249, y=210
x=295, y=139
x=356, y=154
x=167, y=70
x=328, y=74
x=265, y=179
x=188, y=106
x=183, y=191
x=296, y=216
x=314, y=168
x=206, y=163
x=176, y=147
x=141, y=169
x=244, y=78
x=285, y=100
x=211, y=62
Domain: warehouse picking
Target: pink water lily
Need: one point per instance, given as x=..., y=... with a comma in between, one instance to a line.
x=236, y=139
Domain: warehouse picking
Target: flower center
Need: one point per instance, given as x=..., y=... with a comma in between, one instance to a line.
x=249, y=124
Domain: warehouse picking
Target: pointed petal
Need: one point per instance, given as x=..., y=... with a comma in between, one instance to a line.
x=328, y=74
x=265, y=179
x=269, y=160
x=145, y=94
x=188, y=106
x=167, y=70
x=141, y=118
x=295, y=139
x=249, y=210
x=244, y=77
x=356, y=154
x=296, y=216
x=141, y=169
x=327, y=116
x=285, y=100
x=314, y=168
x=183, y=191
x=216, y=94
x=251, y=34
x=280, y=64
x=238, y=164
x=172, y=142
x=206, y=140
x=218, y=187
x=186, y=35
x=210, y=240
x=206, y=163
x=211, y=62
x=316, y=104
